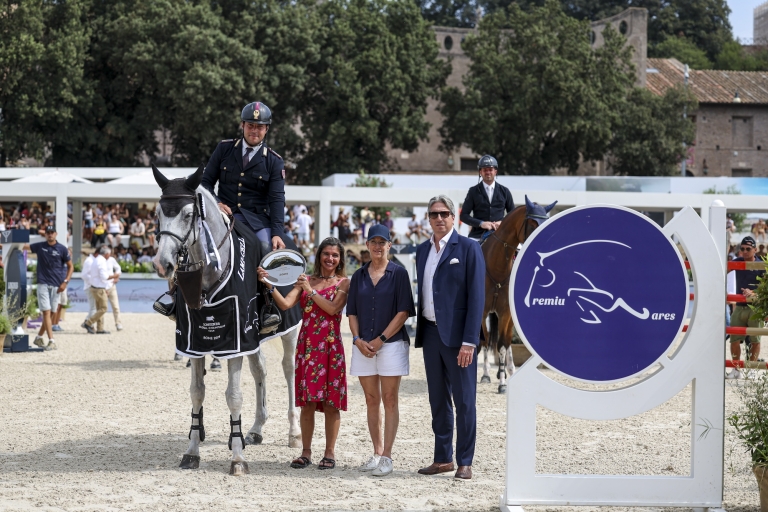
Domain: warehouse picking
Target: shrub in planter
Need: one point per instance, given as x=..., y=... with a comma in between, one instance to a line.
x=751, y=424
x=5, y=328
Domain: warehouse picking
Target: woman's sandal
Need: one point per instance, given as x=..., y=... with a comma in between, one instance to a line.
x=301, y=462
x=326, y=463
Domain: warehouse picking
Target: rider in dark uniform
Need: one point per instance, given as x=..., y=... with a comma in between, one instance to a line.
x=487, y=202
x=251, y=178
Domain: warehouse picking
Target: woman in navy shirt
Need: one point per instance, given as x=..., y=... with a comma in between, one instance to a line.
x=380, y=300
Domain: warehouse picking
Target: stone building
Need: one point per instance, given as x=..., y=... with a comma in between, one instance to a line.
x=632, y=23
x=731, y=121
x=760, y=24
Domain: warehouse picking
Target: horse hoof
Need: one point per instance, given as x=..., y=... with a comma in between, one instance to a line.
x=190, y=462
x=485, y=379
x=294, y=441
x=239, y=469
x=502, y=389
x=253, y=438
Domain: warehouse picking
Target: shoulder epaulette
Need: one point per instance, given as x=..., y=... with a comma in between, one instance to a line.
x=274, y=153
x=228, y=140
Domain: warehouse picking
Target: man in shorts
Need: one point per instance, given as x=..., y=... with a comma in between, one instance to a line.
x=54, y=269
x=745, y=284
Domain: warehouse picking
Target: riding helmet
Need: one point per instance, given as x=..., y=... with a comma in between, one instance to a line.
x=256, y=112
x=487, y=161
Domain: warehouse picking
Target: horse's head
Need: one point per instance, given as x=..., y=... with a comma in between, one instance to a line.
x=535, y=214
x=177, y=221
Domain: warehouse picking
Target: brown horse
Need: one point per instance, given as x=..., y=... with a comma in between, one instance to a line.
x=499, y=251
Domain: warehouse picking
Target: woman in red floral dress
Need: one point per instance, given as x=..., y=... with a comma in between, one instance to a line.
x=321, y=370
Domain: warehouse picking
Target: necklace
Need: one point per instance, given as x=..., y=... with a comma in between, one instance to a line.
x=329, y=277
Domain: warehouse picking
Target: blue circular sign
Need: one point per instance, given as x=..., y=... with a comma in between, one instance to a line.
x=599, y=293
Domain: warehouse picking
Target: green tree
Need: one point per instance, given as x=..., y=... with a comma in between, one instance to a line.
x=685, y=51
x=733, y=57
x=42, y=52
x=369, y=90
x=650, y=131
x=704, y=22
x=739, y=219
x=450, y=13
x=537, y=96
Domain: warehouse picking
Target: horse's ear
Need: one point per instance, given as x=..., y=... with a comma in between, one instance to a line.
x=193, y=180
x=548, y=208
x=161, y=180
x=528, y=203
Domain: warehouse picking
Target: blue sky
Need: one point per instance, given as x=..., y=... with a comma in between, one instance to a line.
x=741, y=16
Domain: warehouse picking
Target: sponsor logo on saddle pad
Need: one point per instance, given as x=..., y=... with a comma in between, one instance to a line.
x=599, y=293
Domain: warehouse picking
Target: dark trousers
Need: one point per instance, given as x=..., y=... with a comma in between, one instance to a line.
x=446, y=379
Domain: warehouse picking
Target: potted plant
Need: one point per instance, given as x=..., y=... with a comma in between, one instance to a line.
x=751, y=424
x=5, y=328
x=30, y=309
x=751, y=421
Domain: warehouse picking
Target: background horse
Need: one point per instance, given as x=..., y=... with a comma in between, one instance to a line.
x=499, y=252
x=178, y=216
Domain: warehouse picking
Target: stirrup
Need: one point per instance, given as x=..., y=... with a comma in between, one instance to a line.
x=199, y=427
x=236, y=434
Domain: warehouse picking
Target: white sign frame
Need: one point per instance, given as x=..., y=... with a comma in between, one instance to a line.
x=697, y=360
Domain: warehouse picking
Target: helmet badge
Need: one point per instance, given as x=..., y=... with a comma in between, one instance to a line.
x=256, y=110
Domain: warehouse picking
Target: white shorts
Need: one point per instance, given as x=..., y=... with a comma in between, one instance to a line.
x=392, y=360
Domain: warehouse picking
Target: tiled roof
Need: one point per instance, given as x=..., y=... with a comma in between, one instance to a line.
x=708, y=85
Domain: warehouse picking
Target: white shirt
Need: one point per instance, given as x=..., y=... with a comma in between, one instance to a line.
x=489, y=190
x=114, y=268
x=429, y=274
x=302, y=223
x=255, y=149
x=85, y=272
x=99, y=273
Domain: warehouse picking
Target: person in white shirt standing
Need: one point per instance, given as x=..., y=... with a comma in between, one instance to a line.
x=116, y=271
x=99, y=276
x=85, y=275
x=303, y=221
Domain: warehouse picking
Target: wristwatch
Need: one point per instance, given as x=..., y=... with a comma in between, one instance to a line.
x=314, y=292
x=66, y=281
x=383, y=338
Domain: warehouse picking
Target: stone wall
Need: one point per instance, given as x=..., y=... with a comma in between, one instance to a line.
x=731, y=140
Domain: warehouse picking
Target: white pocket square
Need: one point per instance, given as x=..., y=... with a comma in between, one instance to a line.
x=454, y=261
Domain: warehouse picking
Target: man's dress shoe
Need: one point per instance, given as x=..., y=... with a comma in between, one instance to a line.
x=437, y=468
x=464, y=472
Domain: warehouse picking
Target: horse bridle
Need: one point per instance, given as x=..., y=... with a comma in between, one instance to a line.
x=500, y=284
x=183, y=265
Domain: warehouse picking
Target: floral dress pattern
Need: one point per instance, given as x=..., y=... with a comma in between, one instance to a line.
x=321, y=369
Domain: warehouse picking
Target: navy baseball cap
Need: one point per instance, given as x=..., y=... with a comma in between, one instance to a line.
x=50, y=228
x=379, y=230
x=748, y=240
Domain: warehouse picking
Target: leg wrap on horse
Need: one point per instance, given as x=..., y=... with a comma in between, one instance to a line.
x=232, y=432
x=199, y=427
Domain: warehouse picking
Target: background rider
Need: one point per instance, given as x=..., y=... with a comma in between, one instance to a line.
x=487, y=202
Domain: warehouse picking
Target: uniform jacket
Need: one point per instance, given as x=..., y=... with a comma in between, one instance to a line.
x=481, y=210
x=458, y=290
x=257, y=192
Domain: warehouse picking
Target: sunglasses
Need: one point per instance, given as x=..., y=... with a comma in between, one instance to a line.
x=442, y=213
x=746, y=248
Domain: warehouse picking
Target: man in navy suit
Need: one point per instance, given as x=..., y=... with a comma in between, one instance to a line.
x=487, y=202
x=451, y=276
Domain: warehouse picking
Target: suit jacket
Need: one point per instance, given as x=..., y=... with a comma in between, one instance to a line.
x=483, y=210
x=458, y=291
x=257, y=192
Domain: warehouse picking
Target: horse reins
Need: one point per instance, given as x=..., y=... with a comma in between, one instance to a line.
x=498, y=285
